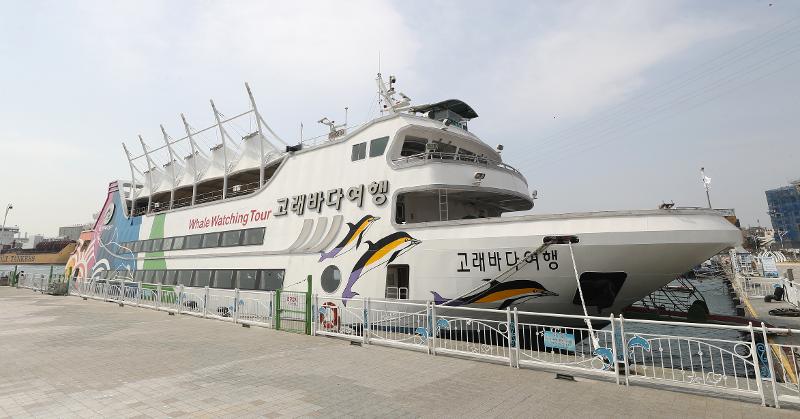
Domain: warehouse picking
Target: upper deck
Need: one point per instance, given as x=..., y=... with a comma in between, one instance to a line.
x=434, y=151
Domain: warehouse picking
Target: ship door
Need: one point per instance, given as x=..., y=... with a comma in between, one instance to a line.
x=397, y=282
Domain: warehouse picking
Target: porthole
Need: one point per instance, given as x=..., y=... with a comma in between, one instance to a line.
x=331, y=279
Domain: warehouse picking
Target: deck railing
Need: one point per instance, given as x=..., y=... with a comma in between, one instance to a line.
x=440, y=157
x=703, y=358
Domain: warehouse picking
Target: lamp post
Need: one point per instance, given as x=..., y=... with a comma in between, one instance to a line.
x=9, y=207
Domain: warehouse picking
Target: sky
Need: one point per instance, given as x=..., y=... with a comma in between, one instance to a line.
x=602, y=105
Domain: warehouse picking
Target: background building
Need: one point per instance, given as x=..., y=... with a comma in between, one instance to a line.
x=784, y=211
x=73, y=232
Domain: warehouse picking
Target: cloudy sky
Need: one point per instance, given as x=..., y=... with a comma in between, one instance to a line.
x=601, y=104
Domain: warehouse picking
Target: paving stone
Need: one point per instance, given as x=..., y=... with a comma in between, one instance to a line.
x=65, y=357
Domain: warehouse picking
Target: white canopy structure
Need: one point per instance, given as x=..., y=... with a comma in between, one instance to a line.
x=179, y=182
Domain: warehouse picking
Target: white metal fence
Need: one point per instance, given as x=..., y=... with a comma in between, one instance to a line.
x=699, y=358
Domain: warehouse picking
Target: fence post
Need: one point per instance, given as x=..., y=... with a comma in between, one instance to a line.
x=49, y=278
x=754, y=353
x=516, y=334
x=768, y=350
x=614, y=347
x=431, y=330
x=365, y=326
x=308, y=305
x=510, y=337
x=138, y=293
x=106, y=286
x=205, y=301
x=315, y=315
x=158, y=296
x=235, y=305
x=277, y=309
x=624, y=349
x=15, y=277
x=179, y=298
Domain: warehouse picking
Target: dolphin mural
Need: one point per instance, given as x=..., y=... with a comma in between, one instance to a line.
x=392, y=246
x=356, y=233
x=508, y=292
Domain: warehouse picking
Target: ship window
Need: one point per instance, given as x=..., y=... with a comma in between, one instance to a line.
x=139, y=276
x=158, y=278
x=157, y=245
x=254, y=236
x=359, y=151
x=330, y=279
x=232, y=238
x=246, y=279
x=177, y=243
x=211, y=240
x=600, y=289
x=147, y=246
x=193, y=241
x=271, y=279
x=202, y=278
x=167, y=245
x=185, y=277
x=171, y=278
x=443, y=147
x=413, y=145
x=378, y=146
x=148, y=276
x=223, y=278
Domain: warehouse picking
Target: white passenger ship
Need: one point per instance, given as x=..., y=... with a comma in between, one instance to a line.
x=408, y=206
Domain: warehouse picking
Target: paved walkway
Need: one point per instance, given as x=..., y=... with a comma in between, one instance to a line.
x=65, y=357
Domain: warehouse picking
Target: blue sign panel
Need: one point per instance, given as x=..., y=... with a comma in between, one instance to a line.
x=559, y=340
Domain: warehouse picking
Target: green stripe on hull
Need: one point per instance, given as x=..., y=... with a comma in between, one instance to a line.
x=156, y=232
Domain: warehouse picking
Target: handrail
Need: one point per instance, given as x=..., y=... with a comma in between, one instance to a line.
x=456, y=158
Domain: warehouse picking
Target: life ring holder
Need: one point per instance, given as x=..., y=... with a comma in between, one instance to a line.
x=330, y=321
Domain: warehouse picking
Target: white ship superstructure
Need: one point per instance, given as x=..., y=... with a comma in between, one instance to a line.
x=407, y=206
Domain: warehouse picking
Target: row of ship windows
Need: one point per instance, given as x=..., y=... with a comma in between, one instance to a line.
x=250, y=236
x=376, y=148
x=244, y=279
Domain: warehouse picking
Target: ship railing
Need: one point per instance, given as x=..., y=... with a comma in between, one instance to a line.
x=440, y=157
x=738, y=361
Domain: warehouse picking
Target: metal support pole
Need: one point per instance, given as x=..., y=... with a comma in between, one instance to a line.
x=158, y=296
x=278, y=309
x=150, y=168
x=518, y=338
x=235, y=305
x=315, y=316
x=624, y=349
x=308, y=310
x=431, y=329
x=510, y=337
x=138, y=293
x=172, y=161
x=365, y=326
x=614, y=347
x=205, y=301
x=222, y=135
x=754, y=353
x=179, y=298
x=773, y=379
x=195, y=154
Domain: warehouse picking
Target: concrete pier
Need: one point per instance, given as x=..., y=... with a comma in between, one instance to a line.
x=65, y=357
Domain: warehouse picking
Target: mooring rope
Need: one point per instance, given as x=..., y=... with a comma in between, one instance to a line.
x=583, y=302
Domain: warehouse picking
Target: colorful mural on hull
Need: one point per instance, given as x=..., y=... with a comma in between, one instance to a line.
x=100, y=250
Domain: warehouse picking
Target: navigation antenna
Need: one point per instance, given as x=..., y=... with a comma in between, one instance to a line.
x=387, y=95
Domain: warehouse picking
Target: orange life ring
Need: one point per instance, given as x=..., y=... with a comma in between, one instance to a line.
x=332, y=320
